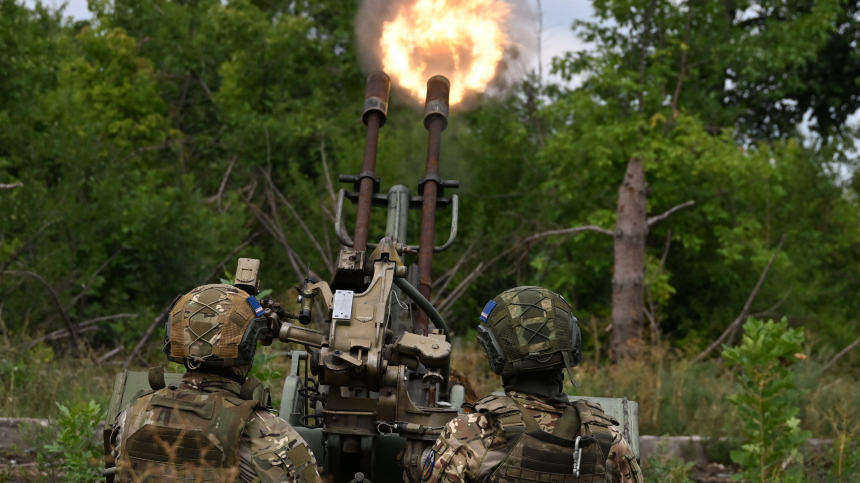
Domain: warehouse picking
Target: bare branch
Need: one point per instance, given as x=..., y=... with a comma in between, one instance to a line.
x=9, y=186
x=311, y=237
x=86, y=326
x=224, y=180
x=268, y=149
x=771, y=310
x=643, y=51
x=109, y=354
x=569, y=231
x=134, y=352
x=839, y=356
x=445, y=279
x=682, y=71
x=738, y=321
x=56, y=298
x=657, y=219
x=93, y=277
x=291, y=255
x=3, y=325
x=106, y=317
x=328, y=186
x=206, y=89
x=665, y=250
x=461, y=288
x=24, y=247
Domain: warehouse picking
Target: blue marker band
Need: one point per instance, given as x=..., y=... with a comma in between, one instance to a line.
x=258, y=309
x=487, y=310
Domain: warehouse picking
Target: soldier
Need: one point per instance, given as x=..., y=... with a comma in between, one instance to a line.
x=533, y=433
x=213, y=426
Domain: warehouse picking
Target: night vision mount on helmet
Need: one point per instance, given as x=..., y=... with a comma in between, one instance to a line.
x=529, y=329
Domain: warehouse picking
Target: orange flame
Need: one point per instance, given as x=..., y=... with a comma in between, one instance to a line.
x=463, y=40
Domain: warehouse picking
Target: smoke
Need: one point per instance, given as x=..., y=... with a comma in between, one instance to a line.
x=520, y=48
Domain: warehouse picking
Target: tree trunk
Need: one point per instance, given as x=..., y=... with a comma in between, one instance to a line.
x=631, y=230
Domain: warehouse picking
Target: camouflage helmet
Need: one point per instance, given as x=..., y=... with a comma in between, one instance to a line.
x=215, y=326
x=528, y=329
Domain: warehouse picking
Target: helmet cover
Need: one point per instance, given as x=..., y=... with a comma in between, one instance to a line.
x=215, y=325
x=529, y=329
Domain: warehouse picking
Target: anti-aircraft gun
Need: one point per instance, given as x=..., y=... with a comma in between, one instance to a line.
x=382, y=358
x=370, y=394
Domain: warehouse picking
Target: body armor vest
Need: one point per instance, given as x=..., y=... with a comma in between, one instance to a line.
x=534, y=455
x=183, y=435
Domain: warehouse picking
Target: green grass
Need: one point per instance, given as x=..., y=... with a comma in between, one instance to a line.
x=675, y=397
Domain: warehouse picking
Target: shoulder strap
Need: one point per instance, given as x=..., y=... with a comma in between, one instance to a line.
x=592, y=413
x=495, y=405
x=568, y=424
x=597, y=422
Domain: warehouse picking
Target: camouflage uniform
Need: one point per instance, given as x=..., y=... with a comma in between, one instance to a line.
x=210, y=428
x=245, y=442
x=533, y=434
x=473, y=446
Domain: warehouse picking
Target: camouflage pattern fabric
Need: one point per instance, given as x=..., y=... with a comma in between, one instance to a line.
x=202, y=431
x=473, y=446
x=535, y=330
x=208, y=323
x=531, y=320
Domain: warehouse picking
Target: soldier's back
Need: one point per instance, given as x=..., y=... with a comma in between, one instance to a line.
x=204, y=431
x=522, y=438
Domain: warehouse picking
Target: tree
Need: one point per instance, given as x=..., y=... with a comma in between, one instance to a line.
x=638, y=93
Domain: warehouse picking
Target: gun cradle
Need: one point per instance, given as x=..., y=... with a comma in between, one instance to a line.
x=357, y=351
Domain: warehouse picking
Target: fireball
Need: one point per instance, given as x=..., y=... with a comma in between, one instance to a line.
x=464, y=40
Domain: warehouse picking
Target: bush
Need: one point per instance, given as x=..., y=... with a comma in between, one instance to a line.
x=767, y=402
x=81, y=458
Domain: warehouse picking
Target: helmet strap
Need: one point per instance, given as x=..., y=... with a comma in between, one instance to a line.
x=566, y=356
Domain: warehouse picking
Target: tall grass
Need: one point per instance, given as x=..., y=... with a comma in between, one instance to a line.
x=33, y=379
x=675, y=397
x=679, y=398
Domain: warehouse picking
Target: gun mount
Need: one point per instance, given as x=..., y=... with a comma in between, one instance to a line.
x=381, y=359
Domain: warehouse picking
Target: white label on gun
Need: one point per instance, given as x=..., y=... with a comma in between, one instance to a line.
x=342, y=309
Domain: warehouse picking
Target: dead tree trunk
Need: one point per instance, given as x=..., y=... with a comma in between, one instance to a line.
x=631, y=231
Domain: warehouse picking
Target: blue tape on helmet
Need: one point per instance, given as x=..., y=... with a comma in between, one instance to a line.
x=565, y=300
x=258, y=309
x=487, y=310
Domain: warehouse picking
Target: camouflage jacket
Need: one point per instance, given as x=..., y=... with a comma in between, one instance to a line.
x=468, y=449
x=268, y=449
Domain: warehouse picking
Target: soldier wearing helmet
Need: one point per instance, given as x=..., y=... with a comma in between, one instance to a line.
x=533, y=432
x=214, y=426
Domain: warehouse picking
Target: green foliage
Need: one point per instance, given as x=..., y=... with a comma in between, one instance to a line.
x=81, y=462
x=767, y=403
x=146, y=139
x=263, y=370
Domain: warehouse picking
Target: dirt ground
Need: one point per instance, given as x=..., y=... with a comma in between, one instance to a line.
x=20, y=469
x=712, y=473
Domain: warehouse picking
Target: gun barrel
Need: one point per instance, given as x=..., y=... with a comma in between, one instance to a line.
x=435, y=120
x=374, y=115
